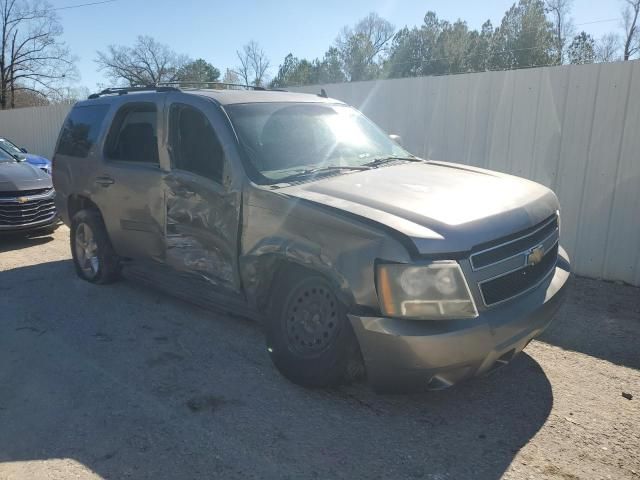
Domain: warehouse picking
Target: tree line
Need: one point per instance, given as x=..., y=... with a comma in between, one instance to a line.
x=37, y=68
x=531, y=33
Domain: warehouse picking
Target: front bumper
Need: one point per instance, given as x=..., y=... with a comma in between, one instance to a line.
x=30, y=227
x=419, y=354
x=28, y=213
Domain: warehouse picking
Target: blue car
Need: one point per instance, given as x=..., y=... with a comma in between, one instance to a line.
x=22, y=154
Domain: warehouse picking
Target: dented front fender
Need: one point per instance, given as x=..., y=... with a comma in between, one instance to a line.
x=278, y=230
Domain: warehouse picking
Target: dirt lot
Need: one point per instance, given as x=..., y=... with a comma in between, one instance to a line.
x=123, y=382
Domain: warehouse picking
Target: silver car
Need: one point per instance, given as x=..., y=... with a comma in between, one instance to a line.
x=297, y=211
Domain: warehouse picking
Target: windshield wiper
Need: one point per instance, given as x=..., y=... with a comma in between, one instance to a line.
x=320, y=170
x=376, y=162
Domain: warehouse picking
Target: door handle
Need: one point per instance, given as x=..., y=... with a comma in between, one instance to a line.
x=104, y=181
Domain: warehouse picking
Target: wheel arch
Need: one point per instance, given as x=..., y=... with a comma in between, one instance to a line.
x=261, y=274
x=75, y=203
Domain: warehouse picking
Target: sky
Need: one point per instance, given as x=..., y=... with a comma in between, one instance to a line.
x=214, y=30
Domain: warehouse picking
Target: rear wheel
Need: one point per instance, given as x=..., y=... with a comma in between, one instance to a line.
x=93, y=256
x=309, y=336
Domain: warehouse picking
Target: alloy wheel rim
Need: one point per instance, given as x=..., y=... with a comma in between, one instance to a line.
x=87, y=250
x=312, y=320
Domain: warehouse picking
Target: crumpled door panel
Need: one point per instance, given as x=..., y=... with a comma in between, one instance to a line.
x=202, y=229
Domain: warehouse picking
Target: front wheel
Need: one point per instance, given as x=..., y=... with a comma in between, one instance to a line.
x=309, y=336
x=93, y=256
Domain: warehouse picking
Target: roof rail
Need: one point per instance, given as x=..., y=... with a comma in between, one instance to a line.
x=201, y=84
x=135, y=88
x=215, y=85
x=175, y=87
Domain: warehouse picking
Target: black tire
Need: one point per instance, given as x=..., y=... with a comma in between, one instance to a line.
x=102, y=265
x=309, y=337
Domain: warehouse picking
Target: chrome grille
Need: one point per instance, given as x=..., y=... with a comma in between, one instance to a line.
x=24, y=193
x=508, y=248
x=519, y=281
x=513, y=265
x=14, y=212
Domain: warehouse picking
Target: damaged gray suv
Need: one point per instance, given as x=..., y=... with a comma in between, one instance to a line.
x=297, y=211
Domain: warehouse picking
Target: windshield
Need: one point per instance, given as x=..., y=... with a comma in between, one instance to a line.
x=10, y=148
x=282, y=139
x=5, y=157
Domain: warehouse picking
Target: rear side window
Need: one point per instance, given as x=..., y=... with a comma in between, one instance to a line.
x=133, y=136
x=81, y=129
x=194, y=144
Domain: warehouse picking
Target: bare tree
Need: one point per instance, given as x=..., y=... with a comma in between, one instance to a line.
x=70, y=95
x=147, y=62
x=230, y=76
x=32, y=59
x=253, y=64
x=608, y=48
x=560, y=11
x=630, y=23
x=27, y=98
x=364, y=47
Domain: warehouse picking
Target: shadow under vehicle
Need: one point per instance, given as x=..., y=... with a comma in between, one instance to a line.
x=130, y=383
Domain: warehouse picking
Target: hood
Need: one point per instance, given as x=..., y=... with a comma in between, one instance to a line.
x=36, y=159
x=17, y=176
x=442, y=207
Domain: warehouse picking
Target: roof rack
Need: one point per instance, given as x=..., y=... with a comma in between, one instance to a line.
x=229, y=86
x=137, y=88
x=175, y=87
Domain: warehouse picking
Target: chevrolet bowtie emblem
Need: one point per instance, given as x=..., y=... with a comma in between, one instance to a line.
x=535, y=255
x=22, y=199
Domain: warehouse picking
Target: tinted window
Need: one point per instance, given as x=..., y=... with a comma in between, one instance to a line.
x=133, y=134
x=80, y=130
x=194, y=144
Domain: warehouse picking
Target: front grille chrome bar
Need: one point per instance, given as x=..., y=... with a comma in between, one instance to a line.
x=476, y=255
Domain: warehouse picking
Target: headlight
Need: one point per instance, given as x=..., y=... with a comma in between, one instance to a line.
x=431, y=292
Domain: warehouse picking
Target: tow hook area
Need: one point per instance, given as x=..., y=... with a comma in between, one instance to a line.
x=437, y=383
x=501, y=361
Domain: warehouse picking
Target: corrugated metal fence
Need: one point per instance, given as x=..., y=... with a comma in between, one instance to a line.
x=35, y=128
x=575, y=129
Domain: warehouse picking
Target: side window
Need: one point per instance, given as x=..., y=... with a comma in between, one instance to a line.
x=133, y=136
x=194, y=144
x=80, y=130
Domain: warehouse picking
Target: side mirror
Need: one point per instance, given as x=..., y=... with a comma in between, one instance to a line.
x=396, y=138
x=23, y=150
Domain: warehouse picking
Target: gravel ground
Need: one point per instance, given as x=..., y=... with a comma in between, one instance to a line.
x=120, y=381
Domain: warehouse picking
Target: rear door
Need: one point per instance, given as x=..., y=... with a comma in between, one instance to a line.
x=73, y=161
x=128, y=184
x=203, y=200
